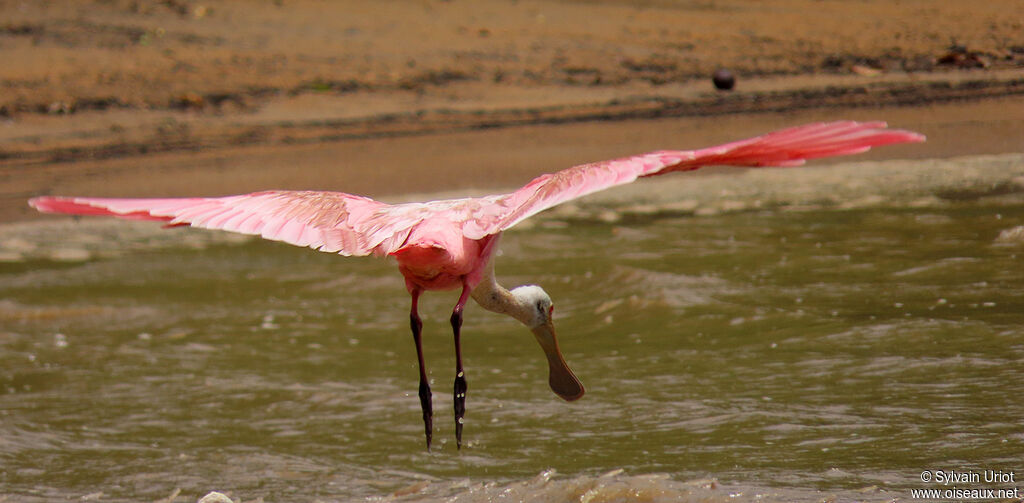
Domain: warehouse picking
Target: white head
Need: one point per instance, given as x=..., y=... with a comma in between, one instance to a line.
x=537, y=305
x=534, y=309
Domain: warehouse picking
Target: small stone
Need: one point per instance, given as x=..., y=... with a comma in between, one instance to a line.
x=723, y=79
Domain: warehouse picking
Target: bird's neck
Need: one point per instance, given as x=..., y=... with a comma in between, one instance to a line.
x=496, y=298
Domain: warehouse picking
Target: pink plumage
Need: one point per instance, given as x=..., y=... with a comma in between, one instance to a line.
x=354, y=225
x=450, y=243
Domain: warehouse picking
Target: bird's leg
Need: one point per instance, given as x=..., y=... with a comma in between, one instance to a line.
x=460, y=376
x=417, y=330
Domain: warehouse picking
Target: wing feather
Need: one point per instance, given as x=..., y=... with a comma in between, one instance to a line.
x=787, y=147
x=328, y=221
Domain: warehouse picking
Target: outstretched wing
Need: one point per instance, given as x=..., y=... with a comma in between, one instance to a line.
x=355, y=225
x=326, y=221
x=787, y=147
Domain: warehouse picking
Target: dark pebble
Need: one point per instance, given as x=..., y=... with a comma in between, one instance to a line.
x=723, y=79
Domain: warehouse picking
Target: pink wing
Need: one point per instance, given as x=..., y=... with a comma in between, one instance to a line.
x=354, y=225
x=326, y=221
x=787, y=147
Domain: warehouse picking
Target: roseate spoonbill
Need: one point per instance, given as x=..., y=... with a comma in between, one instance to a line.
x=450, y=244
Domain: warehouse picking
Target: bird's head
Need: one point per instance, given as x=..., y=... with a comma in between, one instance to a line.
x=537, y=311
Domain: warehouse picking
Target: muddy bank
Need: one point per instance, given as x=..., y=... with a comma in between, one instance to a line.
x=64, y=57
x=105, y=79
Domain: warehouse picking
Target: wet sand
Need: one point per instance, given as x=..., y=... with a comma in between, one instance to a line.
x=175, y=98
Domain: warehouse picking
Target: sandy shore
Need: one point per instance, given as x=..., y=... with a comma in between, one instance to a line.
x=177, y=97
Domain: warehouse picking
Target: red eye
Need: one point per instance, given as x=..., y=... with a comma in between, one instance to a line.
x=551, y=310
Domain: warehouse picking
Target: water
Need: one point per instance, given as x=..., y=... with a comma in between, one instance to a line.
x=763, y=354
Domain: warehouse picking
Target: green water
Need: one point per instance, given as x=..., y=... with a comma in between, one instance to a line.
x=822, y=350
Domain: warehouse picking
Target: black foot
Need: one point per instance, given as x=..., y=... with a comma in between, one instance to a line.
x=428, y=411
x=460, y=406
x=425, y=400
x=460, y=376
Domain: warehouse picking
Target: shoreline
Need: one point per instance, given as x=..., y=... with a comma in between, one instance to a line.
x=293, y=120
